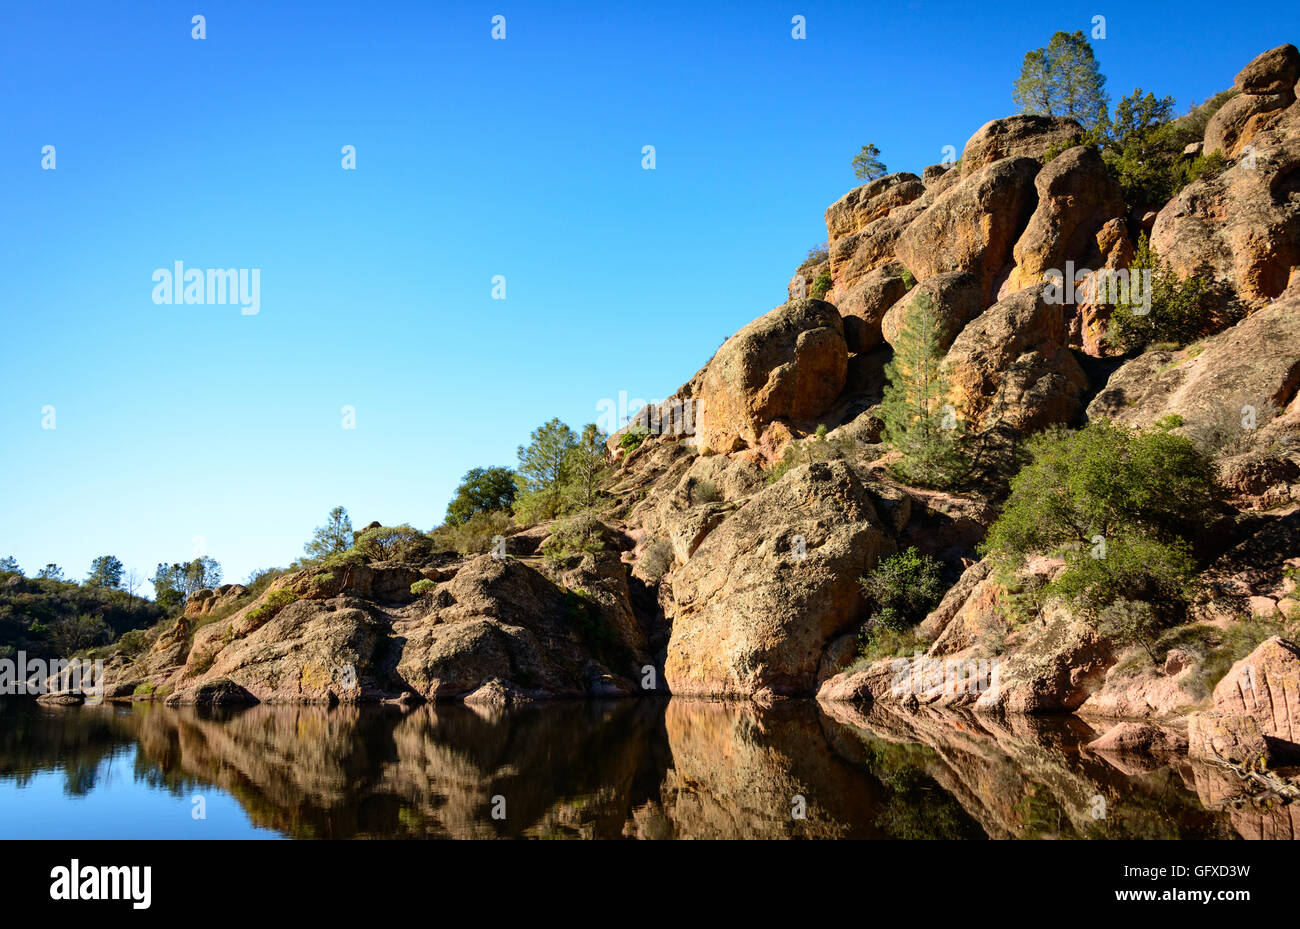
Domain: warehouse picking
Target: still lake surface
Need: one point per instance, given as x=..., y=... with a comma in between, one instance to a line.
x=627, y=769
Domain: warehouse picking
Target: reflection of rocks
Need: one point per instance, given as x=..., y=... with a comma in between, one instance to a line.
x=645, y=769
x=737, y=770
x=1020, y=777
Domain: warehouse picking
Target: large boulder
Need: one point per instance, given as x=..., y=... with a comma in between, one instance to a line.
x=855, y=255
x=1256, y=363
x=788, y=365
x=757, y=603
x=1076, y=198
x=873, y=200
x=973, y=225
x=1238, y=121
x=1011, y=366
x=864, y=304
x=1242, y=225
x=1017, y=137
x=1265, y=686
x=1272, y=72
x=957, y=298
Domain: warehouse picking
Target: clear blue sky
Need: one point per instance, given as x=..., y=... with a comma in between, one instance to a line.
x=475, y=158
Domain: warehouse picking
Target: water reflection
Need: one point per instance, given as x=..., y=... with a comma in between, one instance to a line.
x=640, y=769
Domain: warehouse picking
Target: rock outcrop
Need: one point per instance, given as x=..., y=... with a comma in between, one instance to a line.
x=757, y=603
x=788, y=366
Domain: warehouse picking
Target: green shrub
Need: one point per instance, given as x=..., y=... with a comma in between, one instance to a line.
x=821, y=287
x=1179, y=311
x=144, y=689
x=631, y=440
x=816, y=255
x=275, y=601
x=902, y=588
x=573, y=536
x=704, y=492
x=132, y=642
x=423, y=586
x=656, y=560
x=1116, y=504
x=393, y=543
x=474, y=536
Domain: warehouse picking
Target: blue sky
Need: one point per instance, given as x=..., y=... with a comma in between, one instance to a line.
x=179, y=426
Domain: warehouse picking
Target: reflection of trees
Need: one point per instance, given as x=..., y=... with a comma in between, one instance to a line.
x=647, y=769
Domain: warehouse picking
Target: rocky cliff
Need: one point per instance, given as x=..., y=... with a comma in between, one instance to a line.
x=730, y=563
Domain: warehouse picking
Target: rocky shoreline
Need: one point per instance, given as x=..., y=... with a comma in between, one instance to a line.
x=719, y=574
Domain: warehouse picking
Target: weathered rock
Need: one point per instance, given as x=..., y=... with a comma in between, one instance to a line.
x=1017, y=137
x=1055, y=671
x=873, y=200
x=749, y=613
x=1011, y=365
x=1139, y=737
x=1214, y=737
x=805, y=276
x=1265, y=685
x=973, y=225
x=1270, y=72
x=1256, y=363
x=855, y=255
x=787, y=365
x=957, y=298
x=1076, y=198
x=1239, y=120
x=1242, y=225
x=864, y=304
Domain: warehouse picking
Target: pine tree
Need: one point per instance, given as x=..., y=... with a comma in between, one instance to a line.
x=586, y=467
x=542, y=472
x=867, y=165
x=919, y=421
x=1062, y=79
x=333, y=537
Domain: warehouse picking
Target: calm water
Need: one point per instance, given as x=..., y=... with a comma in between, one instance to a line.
x=643, y=769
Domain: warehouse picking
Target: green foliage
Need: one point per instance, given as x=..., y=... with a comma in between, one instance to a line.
x=805, y=451
x=144, y=689
x=475, y=535
x=1116, y=504
x=585, y=617
x=423, y=586
x=51, y=572
x=260, y=578
x=174, y=583
x=631, y=440
x=867, y=165
x=9, y=565
x=574, y=536
x=903, y=588
x=105, y=571
x=909, y=281
x=918, y=420
x=704, y=492
x=333, y=537
x=821, y=286
x=1062, y=79
x=586, y=470
x=1177, y=311
x=1143, y=145
x=816, y=255
x=542, y=472
x=393, y=543
x=482, y=490
x=275, y=601
x=46, y=617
